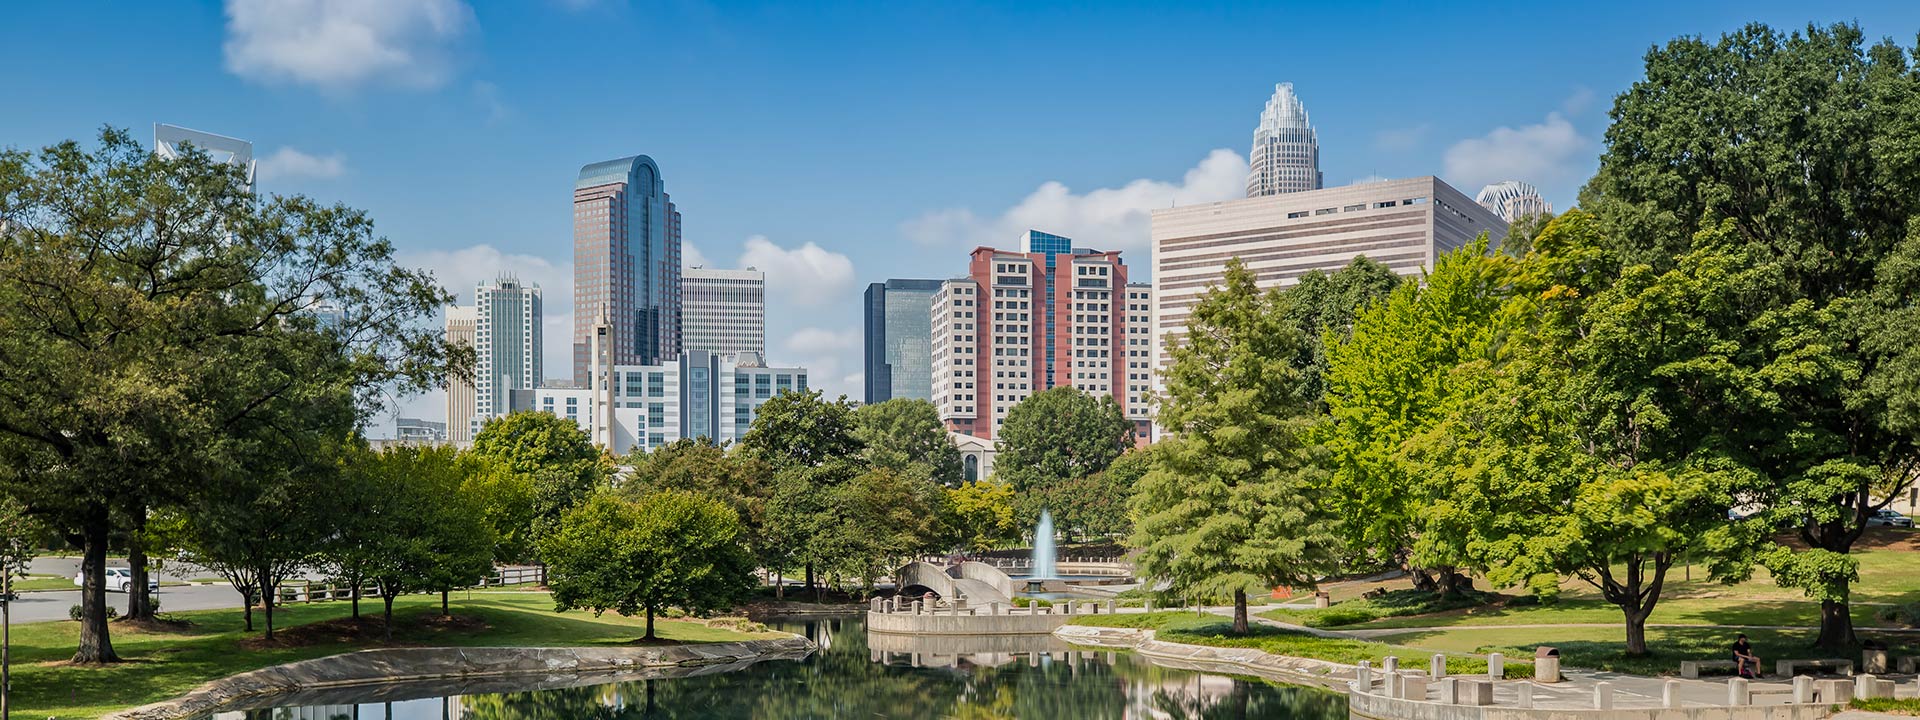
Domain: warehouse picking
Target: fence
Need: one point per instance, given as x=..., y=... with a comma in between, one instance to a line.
x=307, y=591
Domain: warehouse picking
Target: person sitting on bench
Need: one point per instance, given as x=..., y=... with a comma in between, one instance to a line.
x=1746, y=664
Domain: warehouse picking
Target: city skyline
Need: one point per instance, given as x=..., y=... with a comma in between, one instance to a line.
x=460, y=155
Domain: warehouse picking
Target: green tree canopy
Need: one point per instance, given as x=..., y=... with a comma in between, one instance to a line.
x=667, y=549
x=1060, y=434
x=1807, y=144
x=980, y=515
x=180, y=307
x=1234, y=501
x=556, y=458
x=801, y=429
x=698, y=465
x=1323, y=307
x=907, y=431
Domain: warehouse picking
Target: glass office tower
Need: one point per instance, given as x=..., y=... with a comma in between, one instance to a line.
x=899, y=345
x=626, y=263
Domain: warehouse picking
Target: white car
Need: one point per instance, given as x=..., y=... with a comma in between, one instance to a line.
x=1889, y=518
x=118, y=580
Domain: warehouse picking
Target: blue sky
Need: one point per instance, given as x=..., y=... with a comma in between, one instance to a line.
x=836, y=144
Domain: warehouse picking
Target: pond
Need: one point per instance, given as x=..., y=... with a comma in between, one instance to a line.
x=853, y=676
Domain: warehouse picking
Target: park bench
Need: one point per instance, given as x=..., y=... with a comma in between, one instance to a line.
x=1789, y=668
x=1690, y=669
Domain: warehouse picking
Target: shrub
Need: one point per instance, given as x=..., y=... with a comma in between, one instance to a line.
x=1905, y=615
x=1024, y=601
x=1338, y=616
x=74, y=613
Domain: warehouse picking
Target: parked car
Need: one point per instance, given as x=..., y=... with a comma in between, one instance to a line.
x=1890, y=518
x=118, y=580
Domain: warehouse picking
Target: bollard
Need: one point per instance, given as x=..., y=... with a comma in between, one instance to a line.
x=1670, y=695
x=1392, y=687
x=1413, y=687
x=1363, y=673
x=1391, y=664
x=1525, y=700
x=1476, y=692
x=1450, y=691
x=918, y=605
x=993, y=608
x=1148, y=605
x=1068, y=604
x=1871, y=687
x=1737, y=693
x=1803, y=690
x=873, y=605
x=1603, y=695
x=1496, y=666
x=1437, y=667
x=1112, y=607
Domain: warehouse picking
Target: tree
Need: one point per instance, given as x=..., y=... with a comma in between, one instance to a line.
x=906, y=431
x=1806, y=144
x=19, y=542
x=1234, y=500
x=809, y=446
x=1389, y=381
x=1601, y=448
x=980, y=515
x=435, y=538
x=506, y=503
x=667, y=549
x=179, y=306
x=700, y=466
x=880, y=517
x=1059, y=434
x=554, y=456
x=1096, y=505
x=1323, y=306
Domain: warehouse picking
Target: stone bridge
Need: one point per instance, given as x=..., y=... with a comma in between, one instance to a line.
x=974, y=582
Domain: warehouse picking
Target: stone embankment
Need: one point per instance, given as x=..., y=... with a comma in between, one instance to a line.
x=935, y=617
x=451, y=666
x=1391, y=693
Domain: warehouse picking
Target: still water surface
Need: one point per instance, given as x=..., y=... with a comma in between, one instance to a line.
x=857, y=676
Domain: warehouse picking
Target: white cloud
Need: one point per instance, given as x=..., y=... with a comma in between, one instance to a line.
x=808, y=275
x=487, y=96
x=691, y=256
x=336, y=45
x=290, y=163
x=1547, y=154
x=831, y=358
x=1103, y=218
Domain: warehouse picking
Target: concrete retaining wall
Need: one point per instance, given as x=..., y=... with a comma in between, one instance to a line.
x=909, y=623
x=399, y=665
x=1381, y=707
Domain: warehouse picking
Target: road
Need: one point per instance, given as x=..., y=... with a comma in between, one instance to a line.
x=54, y=604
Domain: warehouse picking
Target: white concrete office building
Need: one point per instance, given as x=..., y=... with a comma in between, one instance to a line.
x=460, y=394
x=723, y=311
x=1402, y=224
x=506, y=346
x=700, y=394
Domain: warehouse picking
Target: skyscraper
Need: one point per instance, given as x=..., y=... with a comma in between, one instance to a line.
x=460, y=331
x=723, y=311
x=1047, y=316
x=506, y=346
x=1512, y=200
x=1286, y=150
x=899, y=350
x=626, y=263
x=169, y=141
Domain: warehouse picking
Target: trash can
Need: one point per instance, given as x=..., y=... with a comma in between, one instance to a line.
x=1546, y=664
x=1322, y=599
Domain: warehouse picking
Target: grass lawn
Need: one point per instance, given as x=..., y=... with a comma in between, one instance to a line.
x=1216, y=631
x=165, y=663
x=1600, y=648
x=1887, y=558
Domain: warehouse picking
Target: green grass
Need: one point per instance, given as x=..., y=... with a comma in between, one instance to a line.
x=1216, y=631
x=1904, y=706
x=1395, y=603
x=1603, y=648
x=163, y=664
x=34, y=583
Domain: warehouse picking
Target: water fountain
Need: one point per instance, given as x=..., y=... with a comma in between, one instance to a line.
x=1043, y=554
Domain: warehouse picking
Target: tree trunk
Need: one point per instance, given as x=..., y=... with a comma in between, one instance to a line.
x=1422, y=580
x=810, y=577
x=649, y=635
x=139, y=601
x=387, y=597
x=1636, y=633
x=443, y=604
x=1453, y=581
x=356, y=599
x=1240, y=612
x=779, y=585
x=267, y=593
x=1836, y=626
x=96, y=645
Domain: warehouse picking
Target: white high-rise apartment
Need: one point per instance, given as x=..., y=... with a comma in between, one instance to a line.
x=1138, y=329
x=461, y=323
x=1286, y=150
x=699, y=394
x=1512, y=200
x=723, y=311
x=506, y=345
x=1402, y=224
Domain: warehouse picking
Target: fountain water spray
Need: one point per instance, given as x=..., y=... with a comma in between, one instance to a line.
x=1043, y=551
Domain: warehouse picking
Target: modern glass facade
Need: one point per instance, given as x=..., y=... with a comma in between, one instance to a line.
x=723, y=311
x=899, y=346
x=626, y=263
x=1286, y=150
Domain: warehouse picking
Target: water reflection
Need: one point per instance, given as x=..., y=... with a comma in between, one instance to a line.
x=880, y=676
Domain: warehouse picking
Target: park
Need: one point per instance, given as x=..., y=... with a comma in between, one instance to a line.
x=1639, y=460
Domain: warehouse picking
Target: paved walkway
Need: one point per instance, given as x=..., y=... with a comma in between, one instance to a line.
x=1369, y=633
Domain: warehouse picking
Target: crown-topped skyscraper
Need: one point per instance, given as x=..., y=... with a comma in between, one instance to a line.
x=1286, y=151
